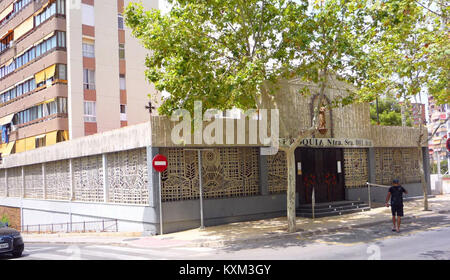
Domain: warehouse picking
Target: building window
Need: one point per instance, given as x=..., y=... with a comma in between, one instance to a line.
x=88, y=49
x=120, y=20
x=40, y=141
x=88, y=79
x=5, y=42
x=18, y=90
x=49, y=11
x=61, y=7
x=122, y=82
x=123, y=112
x=58, y=106
x=89, y=111
x=122, y=51
x=61, y=37
x=61, y=72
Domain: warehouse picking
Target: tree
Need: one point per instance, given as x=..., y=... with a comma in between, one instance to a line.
x=412, y=49
x=217, y=52
x=443, y=164
x=389, y=113
x=227, y=53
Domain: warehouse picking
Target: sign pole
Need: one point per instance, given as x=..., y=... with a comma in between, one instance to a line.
x=160, y=165
x=160, y=206
x=200, y=182
x=200, y=179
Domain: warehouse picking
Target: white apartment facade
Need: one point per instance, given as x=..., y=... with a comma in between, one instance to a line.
x=68, y=68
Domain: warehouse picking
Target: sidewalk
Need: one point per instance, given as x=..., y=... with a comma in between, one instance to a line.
x=223, y=235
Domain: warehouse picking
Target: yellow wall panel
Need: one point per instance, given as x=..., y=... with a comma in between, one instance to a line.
x=3, y=147
x=26, y=26
x=39, y=77
x=50, y=72
x=50, y=139
x=30, y=143
x=9, y=148
x=20, y=146
x=6, y=11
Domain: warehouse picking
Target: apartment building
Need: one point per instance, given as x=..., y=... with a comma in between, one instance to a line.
x=418, y=114
x=437, y=114
x=68, y=68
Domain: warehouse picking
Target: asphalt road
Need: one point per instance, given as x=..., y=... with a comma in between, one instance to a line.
x=426, y=238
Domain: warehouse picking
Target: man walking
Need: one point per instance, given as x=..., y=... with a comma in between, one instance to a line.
x=395, y=193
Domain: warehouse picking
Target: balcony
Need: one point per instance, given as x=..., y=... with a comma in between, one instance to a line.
x=54, y=23
x=21, y=15
x=53, y=57
x=40, y=126
x=32, y=98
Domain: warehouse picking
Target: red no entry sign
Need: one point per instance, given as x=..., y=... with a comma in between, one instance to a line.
x=159, y=163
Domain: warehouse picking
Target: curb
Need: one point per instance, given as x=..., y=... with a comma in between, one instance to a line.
x=76, y=243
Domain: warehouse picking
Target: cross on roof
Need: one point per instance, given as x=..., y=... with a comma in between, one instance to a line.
x=150, y=107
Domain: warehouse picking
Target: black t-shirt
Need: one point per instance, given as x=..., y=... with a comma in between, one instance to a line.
x=397, y=195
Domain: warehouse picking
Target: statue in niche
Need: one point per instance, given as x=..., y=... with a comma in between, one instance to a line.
x=322, y=121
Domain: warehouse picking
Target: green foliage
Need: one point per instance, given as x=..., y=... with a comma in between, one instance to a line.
x=216, y=52
x=224, y=52
x=389, y=112
x=5, y=219
x=410, y=51
x=444, y=167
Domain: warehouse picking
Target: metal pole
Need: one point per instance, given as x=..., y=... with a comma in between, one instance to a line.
x=370, y=201
x=160, y=207
x=439, y=162
x=448, y=135
x=202, y=225
x=313, y=203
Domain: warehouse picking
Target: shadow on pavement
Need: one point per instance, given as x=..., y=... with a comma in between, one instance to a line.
x=369, y=234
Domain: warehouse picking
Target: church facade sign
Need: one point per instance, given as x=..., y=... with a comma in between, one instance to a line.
x=332, y=142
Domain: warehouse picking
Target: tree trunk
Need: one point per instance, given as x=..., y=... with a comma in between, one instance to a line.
x=290, y=158
x=422, y=179
x=420, y=159
x=291, y=215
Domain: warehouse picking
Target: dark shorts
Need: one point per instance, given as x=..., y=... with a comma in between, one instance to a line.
x=397, y=210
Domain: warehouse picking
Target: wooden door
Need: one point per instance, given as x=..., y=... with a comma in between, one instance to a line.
x=306, y=177
x=319, y=169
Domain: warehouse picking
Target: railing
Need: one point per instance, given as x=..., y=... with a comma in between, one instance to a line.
x=89, y=226
x=375, y=185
